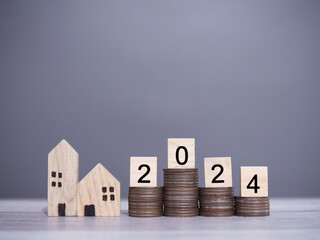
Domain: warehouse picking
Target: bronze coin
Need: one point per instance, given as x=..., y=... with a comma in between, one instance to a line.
x=145, y=205
x=215, y=190
x=138, y=214
x=229, y=214
x=251, y=199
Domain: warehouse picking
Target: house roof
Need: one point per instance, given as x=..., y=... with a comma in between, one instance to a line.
x=99, y=168
x=63, y=144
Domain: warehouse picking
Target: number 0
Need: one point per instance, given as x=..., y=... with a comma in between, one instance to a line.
x=186, y=155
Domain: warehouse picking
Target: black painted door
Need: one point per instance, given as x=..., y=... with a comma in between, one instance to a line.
x=89, y=210
x=62, y=209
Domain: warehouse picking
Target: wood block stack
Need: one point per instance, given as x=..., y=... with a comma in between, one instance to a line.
x=145, y=198
x=254, y=200
x=181, y=179
x=216, y=198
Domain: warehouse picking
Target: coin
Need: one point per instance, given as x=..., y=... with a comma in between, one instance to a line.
x=181, y=192
x=216, y=202
x=145, y=201
x=252, y=206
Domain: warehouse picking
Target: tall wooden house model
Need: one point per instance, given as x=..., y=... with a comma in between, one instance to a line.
x=63, y=171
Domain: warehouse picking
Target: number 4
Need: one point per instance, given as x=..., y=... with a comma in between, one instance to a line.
x=254, y=181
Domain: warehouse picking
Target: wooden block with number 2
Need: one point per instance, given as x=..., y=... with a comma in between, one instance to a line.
x=254, y=181
x=143, y=171
x=218, y=172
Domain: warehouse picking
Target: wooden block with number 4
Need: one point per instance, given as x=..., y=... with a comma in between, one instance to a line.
x=181, y=153
x=254, y=181
x=218, y=172
x=143, y=171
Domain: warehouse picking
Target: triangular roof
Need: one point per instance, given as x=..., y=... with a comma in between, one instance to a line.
x=63, y=144
x=98, y=168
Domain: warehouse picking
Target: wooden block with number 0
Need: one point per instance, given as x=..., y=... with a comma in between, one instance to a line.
x=218, y=172
x=181, y=153
x=254, y=181
x=143, y=171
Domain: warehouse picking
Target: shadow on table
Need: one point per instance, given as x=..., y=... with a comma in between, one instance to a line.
x=45, y=211
x=124, y=212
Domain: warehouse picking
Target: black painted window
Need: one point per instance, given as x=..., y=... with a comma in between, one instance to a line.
x=104, y=198
x=111, y=189
x=60, y=175
x=53, y=184
x=104, y=189
x=112, y=197
x=59, y=184
x=53, y=174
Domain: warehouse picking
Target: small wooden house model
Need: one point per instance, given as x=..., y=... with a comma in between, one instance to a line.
x=63, y=171
x=98, y=193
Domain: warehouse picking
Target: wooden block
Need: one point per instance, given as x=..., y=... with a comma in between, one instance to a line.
x=63, y=172
x=181, y=153
x=254, y=181
x=98, y=193
x=143, y=171
x=218, y=172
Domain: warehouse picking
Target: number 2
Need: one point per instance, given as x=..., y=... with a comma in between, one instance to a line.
x=254, y=180
x=141, y=179
x=214, y=180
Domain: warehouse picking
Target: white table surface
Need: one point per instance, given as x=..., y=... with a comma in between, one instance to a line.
x=290, y=218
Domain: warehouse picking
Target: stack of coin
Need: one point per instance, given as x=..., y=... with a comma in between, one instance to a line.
x=145, y=201
x=216, y=202
x=181, y=192
x=252, y=206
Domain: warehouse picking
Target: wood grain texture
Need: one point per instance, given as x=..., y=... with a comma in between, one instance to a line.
x=136, y=174
x=63, y=171
x=99, y=182
x=246, y=174
x=173, y=145
x=226, y=175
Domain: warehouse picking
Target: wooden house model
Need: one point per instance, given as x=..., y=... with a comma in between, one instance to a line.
x=63, y=171
x=98, y=193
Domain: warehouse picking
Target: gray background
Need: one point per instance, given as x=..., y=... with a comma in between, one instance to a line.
x=117, y=78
